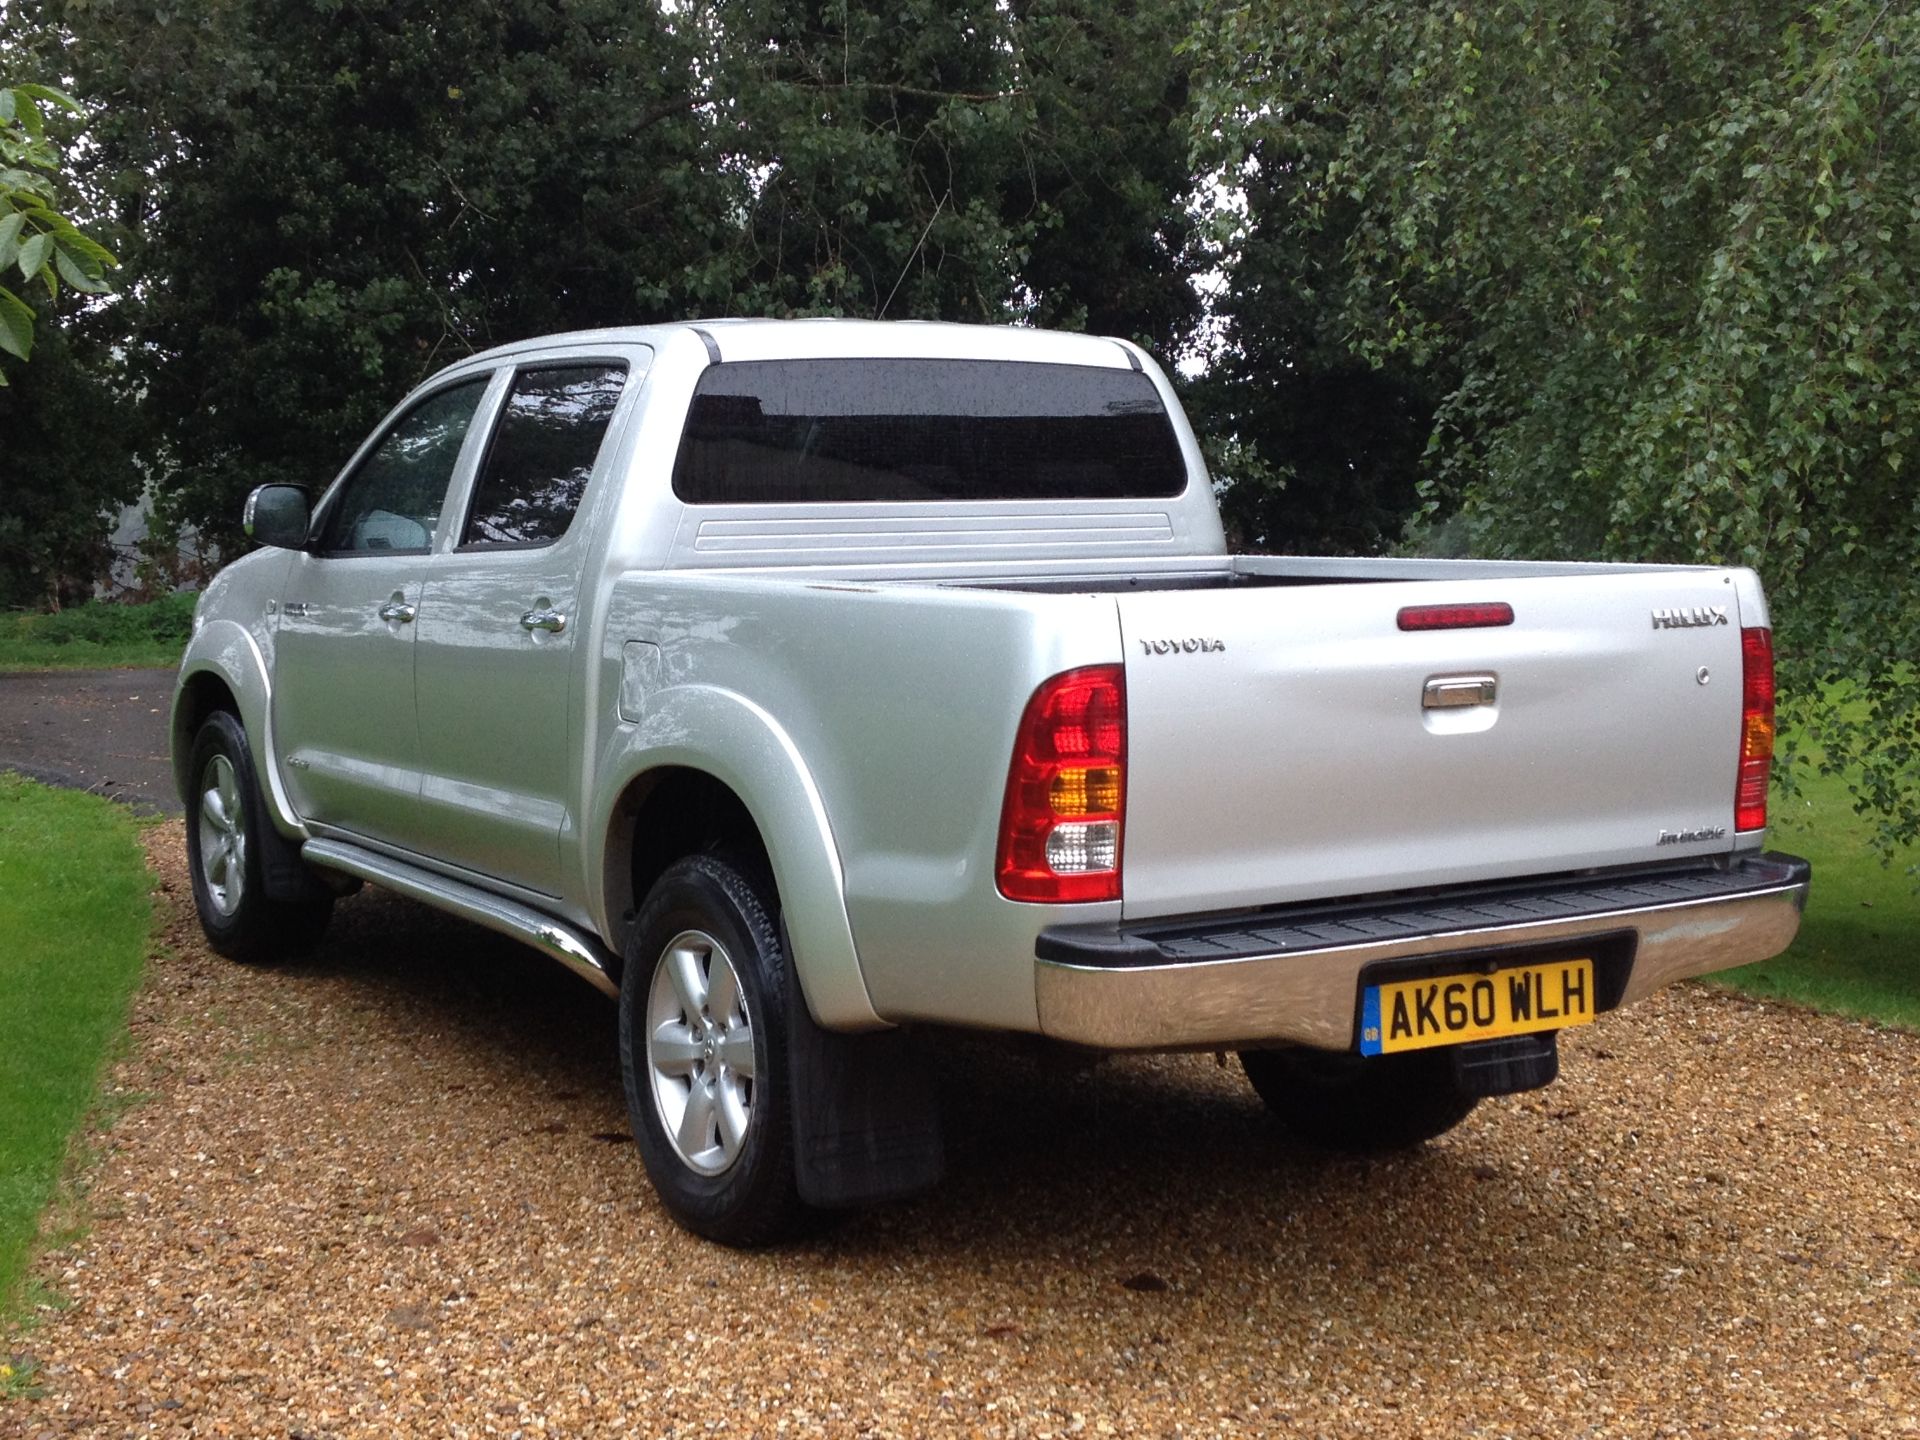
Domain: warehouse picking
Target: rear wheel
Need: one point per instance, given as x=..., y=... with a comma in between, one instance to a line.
x=1359, y=1104
x=703, y=1051
x=225, y=823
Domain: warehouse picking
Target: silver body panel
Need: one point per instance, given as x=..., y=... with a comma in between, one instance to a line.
x=1301, y=760
x=855, y=672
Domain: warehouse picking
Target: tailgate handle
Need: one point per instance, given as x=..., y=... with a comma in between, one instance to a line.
x=1447, y=692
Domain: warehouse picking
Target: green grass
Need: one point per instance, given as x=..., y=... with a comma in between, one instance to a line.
x=17, y=1379
x=74, y=922
x=1858, y=952
x=100, y=635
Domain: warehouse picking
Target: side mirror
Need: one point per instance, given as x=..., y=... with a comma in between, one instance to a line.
x=277, y=515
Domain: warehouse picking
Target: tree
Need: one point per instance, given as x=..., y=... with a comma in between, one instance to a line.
x=1101, y=194
x=64, y=475
x=39, y=242
x=961, y=160
x=1658, y=266
x=873, y=146
x=66, y=440
x=321, y=202
x=1317, y=448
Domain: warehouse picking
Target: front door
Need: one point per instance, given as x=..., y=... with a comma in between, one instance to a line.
x=345, y=725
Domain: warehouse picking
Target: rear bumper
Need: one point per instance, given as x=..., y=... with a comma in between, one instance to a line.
x=1293, y=977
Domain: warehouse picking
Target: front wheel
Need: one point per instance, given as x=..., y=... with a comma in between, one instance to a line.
x=703, y=1052
x=1359, y=1104
x=225, y=825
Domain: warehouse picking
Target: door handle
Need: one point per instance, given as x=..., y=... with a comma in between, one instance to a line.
x=551, y=621
x=1449, y=692
x=397, y=612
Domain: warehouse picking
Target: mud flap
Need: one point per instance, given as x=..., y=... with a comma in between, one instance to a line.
x=865, y=1119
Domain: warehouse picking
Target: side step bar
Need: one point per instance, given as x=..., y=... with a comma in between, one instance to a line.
x=582, y=954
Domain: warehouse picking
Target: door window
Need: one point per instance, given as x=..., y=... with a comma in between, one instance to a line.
x=391, y=503
x=542, y=455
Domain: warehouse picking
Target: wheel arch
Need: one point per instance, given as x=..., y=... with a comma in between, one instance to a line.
x=223, y=669
x=707, y=768
x=669, y=812
x=199, y=694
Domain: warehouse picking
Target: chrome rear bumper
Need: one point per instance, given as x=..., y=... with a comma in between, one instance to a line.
x=1294, y=977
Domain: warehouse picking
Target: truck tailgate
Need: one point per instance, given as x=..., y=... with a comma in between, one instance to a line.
x=1293, y=742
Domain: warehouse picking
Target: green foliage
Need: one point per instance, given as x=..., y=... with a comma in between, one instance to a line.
x=66, y=467
x=961, y=159
x=1099, y=197
x=74, y=909
x=37, y=242
x=18, y=1375
x=1315, y=441
x=1654, y=268
x=99, y=634
x=1855, y=951
x=323, y=201
x=872, y=149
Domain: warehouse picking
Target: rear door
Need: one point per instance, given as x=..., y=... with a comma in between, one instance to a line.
x=1295, y=742
x=499, y=630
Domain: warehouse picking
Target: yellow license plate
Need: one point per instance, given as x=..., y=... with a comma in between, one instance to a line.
x=1449, y=1009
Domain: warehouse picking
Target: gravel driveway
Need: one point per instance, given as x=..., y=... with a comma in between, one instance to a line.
x=389, y=1192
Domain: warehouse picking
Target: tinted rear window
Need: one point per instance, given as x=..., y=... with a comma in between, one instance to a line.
x=807, y=431
x=542, y=454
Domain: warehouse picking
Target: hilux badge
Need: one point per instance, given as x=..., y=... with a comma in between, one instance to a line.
x=1688, y=617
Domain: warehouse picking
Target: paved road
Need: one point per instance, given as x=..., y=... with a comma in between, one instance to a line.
x=98, y=730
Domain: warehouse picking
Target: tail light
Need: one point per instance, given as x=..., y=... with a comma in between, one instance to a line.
x=1756, y=729
x=1066, y=791
x=1455, y=617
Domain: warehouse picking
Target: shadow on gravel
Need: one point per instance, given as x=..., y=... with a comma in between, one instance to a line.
x=412, y=964
x=1164, y=1171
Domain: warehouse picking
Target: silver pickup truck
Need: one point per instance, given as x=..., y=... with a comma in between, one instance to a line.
x=804, y=684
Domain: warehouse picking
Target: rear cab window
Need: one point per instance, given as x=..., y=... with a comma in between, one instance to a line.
x=879, y=430
x=541, y=454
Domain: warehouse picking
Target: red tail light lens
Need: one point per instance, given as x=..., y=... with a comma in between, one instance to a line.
x=1455, y=617
x=1066, y=791
x=1756, y=729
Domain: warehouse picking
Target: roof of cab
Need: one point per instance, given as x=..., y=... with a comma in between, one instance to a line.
x=828, y=338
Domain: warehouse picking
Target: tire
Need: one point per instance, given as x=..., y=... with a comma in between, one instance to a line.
x=704, y=1053
x=224, y=813
x=1356, y=1104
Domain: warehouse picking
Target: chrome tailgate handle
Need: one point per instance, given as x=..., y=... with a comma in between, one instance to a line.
x=1448, y=692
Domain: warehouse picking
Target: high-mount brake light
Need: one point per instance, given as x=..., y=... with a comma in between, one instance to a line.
x=1456, y=617
x=1065, y=806
x=1756, y=729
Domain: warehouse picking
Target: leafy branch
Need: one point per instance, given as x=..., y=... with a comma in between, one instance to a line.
x=35, y=238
